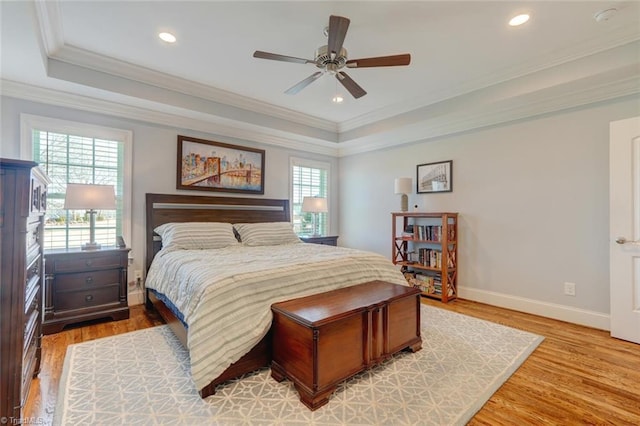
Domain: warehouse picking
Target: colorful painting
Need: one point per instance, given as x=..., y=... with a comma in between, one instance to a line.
x=214, y=166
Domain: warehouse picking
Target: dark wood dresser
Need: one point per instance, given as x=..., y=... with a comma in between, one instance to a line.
x=23, y=199
x=84, y=285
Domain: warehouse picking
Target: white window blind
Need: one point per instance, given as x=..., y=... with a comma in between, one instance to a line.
x=68, y=158
x=309, y=179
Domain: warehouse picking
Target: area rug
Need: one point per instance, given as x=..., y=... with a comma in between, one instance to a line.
x=143, y=378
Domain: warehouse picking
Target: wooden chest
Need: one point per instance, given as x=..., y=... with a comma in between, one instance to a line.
x=321, y=340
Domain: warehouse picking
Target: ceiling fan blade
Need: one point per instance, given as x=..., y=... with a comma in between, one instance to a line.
x=304, y=83
x=353, y=88
x=380, y=61
x=275, y=57
x=338, y=26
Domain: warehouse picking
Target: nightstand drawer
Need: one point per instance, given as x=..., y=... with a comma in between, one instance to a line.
x=83, y=263
x=329, y=240
x=86, y=280
x=87, y=298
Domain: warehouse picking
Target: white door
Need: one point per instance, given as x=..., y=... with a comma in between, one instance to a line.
x=624, y=228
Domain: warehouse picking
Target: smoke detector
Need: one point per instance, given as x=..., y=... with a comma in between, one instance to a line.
x=605, y=15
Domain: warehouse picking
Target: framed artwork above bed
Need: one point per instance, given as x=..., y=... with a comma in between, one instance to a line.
x=215, y=166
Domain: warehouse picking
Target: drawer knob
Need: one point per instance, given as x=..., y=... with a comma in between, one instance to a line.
x=88, y=298
x=89, y=280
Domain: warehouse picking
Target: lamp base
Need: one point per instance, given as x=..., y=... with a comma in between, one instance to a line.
x=91, y=246
x=404, y=203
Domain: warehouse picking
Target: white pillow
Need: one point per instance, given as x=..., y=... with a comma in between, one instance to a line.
x=266, y=233
x=196, y=235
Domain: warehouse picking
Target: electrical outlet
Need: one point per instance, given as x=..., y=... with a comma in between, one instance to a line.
x=138, y=277
x=570, y=289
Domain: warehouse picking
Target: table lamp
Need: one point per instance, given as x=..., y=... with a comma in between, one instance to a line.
x=90, y=198
x=314, y=205
x=403, y=186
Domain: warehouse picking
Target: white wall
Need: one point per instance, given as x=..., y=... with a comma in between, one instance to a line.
x=154, y=160
x=533, y=200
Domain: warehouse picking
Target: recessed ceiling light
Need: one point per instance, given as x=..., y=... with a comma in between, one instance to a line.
x=519, y=20
x=168, y=37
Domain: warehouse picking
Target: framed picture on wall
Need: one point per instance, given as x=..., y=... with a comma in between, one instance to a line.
x=215, y=166
x=434, y=177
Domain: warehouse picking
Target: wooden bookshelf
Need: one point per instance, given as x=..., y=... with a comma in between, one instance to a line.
x=425, y=245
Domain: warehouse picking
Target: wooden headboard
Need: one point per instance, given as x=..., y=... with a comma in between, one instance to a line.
x=164, y=208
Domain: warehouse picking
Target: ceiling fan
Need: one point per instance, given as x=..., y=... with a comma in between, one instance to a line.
x=332, y=58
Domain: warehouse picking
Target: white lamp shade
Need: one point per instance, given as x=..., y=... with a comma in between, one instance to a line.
x=89, y=197
x=314, y=205
x=403, y=185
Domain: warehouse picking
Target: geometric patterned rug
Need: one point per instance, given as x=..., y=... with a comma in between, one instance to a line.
x=143, y=378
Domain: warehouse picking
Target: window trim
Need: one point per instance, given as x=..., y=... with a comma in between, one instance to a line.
x=29, y=122
x=316, y=164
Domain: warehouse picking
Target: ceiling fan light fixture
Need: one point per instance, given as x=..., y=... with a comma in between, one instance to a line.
x=167, y=37
x=519, y=19
x=332, y=58
x=337, y=99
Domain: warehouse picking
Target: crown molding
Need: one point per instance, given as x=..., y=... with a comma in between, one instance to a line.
x=615, y=39
x=466, y=113
x=605, y=87
x=50, y=23
x=169, y=116
x=52, y=33
x=104, y=64
x=595, y=72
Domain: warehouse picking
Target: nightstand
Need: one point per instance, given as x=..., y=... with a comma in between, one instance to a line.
x=326, y=240
x=84, y=285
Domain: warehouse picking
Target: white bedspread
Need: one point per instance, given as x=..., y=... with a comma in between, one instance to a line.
x=226, y=294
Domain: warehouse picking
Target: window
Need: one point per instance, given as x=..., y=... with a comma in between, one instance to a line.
x=308, y=179
x=77, y=153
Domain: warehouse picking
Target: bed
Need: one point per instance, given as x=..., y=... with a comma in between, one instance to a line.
x=216, y=294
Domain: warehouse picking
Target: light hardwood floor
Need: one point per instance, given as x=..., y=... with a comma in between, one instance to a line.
x=578, y=375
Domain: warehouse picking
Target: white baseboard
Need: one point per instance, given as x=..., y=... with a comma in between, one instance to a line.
x=135, y=297
x=593, y=319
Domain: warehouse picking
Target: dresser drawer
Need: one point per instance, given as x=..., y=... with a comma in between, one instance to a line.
x=33, y=239
x=31, y=296
x=38, y=198
x=86, y=298
x=29, y=367
x=86, y=280
x=84, y=262
x=32, y=278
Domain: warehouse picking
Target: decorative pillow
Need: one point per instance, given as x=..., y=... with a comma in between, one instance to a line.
x=266, y=233
x=196, y=235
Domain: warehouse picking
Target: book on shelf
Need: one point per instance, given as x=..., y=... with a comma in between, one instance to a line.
x=429, y=232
